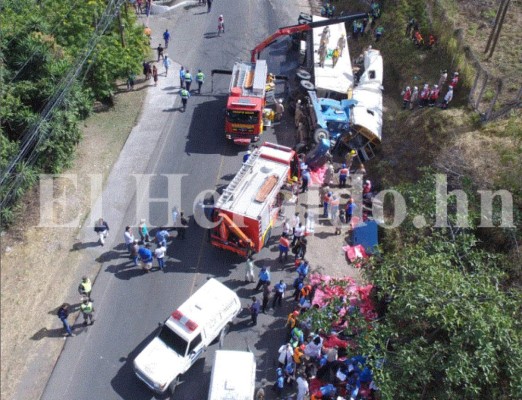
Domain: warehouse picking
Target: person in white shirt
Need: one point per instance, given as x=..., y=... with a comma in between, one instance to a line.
x=128, y=236
x=302, y=387
x=298, y=233
x=159, y=253
x=295, y=221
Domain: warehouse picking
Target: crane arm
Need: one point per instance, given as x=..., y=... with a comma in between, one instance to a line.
x=290, y=30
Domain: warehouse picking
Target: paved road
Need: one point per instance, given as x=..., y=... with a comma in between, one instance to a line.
x=97, y=364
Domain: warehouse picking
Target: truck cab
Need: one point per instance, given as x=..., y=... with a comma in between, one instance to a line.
x=246, y=101
x=185, y=335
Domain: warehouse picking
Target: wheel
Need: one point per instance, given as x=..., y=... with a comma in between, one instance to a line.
x=306, y=85
x=303, y=75
x=173, y=384
x=320, y=134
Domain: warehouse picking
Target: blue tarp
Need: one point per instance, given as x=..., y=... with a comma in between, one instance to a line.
x=365, y=234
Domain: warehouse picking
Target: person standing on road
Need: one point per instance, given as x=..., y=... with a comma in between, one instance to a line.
x=63, y=314
x=128, y=236
x=249, y=270
x=305, y=179
x=296, y=220
x=279, y=293
x=266, y=297
x=264, y=277
x=188, y=80
x=159, y=253
x=200, y=78
x=134, y=252
x=87, y=310
x=184, y=225
x=102, y=229
x=182, y=77
x=302, y=387
x=254, y=310
x=85, y=287
x=284, y=246
x=298, y=233
x=343, y=175
x=185, y=94
x=144, y=231
x=166, y=64
x=166, y=38
x=160, y=49
x=155, y=75
x=209, y=5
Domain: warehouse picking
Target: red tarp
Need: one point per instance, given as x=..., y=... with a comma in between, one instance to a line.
x=355, y=252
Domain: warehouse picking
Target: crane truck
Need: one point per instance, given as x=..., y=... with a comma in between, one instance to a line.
x=251, y=83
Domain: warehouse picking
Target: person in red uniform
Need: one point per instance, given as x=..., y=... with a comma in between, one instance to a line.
x=406, y=97
x=434, y=95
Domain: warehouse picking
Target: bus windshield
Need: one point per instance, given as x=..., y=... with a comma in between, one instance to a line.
x=243, y=117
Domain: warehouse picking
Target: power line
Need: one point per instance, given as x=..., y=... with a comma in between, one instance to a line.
x=31, y=139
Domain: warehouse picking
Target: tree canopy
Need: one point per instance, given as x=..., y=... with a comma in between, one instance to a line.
x=57, y=58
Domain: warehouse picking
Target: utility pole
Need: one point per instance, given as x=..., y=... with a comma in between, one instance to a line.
x=500, y=23
x=120, y=23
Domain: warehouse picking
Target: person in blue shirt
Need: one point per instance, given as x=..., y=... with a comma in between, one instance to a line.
x=305, y=179
x=146, y=258
x=162, y=236
x=303, y=268
x=246, y=156
x=166, y=37
x=254, y=310
x=279, y=289
x=350, y=210
x=264, y=277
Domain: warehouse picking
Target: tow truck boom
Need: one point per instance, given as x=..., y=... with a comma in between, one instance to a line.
x=290, y=30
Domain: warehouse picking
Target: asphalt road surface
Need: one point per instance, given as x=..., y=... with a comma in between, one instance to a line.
x=97, y=364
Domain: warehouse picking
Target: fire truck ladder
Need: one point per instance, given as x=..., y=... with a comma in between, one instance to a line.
x=245, y=169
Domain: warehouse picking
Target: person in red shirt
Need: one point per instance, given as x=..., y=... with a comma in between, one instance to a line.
x=406, y=97
x=284, y=245
x=434, y=95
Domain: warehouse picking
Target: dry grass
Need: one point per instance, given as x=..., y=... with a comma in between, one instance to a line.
x=38, y=266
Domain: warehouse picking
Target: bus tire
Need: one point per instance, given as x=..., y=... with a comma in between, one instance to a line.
x=307, y=85
x=320, y=134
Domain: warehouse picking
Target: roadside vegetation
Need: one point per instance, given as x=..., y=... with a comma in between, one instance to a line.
x=58, y=58
x=451, y=295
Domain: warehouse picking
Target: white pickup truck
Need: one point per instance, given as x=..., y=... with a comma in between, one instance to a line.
x=185, y=335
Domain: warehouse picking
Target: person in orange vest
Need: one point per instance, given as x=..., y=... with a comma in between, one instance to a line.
x=406, y=97
x=284, y=245
x=343, y=175
x=326, y=202
x=305, y=292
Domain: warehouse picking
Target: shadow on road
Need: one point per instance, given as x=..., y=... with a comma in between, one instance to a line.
x=125, y=383
x=81, y=246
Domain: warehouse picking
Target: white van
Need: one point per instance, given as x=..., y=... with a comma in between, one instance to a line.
x=233, y=376
x=185, y=335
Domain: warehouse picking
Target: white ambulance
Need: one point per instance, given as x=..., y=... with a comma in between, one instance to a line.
x=185, y=335
x=233, y=376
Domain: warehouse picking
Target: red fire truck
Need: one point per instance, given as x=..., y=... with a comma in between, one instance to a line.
x=250, y=205
x=246, y=101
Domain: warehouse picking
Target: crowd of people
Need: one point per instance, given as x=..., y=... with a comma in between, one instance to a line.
x=319, y=357
x=430, y=95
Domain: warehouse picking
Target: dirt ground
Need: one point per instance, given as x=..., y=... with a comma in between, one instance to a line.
x=39, y=265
